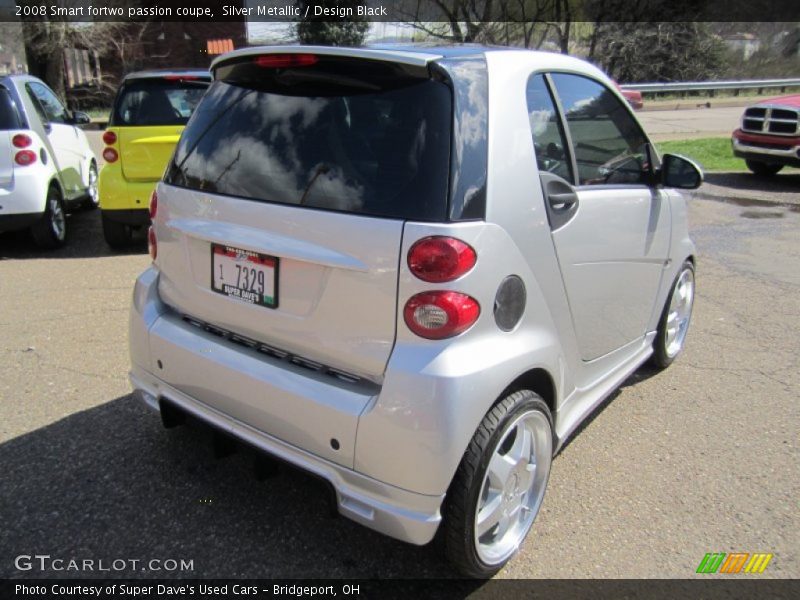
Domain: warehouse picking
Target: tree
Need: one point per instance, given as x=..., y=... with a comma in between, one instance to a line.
x=325, y=30
x=663, y=51
x=45, y=42
x=526, y=23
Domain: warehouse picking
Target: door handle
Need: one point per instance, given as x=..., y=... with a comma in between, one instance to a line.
x=562, y=200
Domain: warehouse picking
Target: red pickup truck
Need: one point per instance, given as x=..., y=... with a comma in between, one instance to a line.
x=768, y=138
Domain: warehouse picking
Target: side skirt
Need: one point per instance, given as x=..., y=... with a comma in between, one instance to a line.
x=583, y=401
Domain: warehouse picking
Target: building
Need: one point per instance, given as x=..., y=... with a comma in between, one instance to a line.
x=12, y=49
x=744, y=44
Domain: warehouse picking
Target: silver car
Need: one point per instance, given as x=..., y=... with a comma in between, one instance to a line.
x=412, y=272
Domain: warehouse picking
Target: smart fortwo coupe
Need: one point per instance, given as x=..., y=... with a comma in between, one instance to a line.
x=46, y=165
x=149, y=114
x=413, y=273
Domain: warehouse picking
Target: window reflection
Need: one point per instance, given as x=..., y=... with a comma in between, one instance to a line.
x=376, y=153
x=609, y=144
x=548, y=139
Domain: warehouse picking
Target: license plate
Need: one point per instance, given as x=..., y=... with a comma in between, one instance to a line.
x=244, y=275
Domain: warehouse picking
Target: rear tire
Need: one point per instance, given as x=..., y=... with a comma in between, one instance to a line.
x=499, y=486
x=117, y=235
x=51, y=230
x=763, y=169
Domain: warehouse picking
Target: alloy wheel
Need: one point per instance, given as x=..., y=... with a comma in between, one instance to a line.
x=679, y=313
x=513, y=487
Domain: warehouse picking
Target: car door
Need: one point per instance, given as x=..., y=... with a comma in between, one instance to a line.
x=65, y=138
x=610, y=229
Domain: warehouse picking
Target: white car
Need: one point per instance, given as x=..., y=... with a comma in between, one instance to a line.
x=414, y=273
x=46, y=164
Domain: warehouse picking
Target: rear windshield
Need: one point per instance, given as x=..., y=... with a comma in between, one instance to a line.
x=157, y=102
x=9, y=115
x=330, y=136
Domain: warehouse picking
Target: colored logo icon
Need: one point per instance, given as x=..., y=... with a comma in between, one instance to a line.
x=736, y=562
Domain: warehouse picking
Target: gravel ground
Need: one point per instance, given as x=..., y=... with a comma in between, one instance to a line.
x=702, y=457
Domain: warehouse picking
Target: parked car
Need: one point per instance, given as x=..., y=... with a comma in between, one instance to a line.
x=149, y=113
x=412, y=272
x=634, y=97
x=46, y=165
x=768, y=138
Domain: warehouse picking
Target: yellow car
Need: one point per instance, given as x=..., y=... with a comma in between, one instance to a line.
x=150, y=111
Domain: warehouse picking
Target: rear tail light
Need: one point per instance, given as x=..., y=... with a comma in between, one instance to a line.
x=441, y=314
x=152, y=242
x=153, y=205
x=438, y=259
x=180, y=77
x=109, y=137
x=110, y=155
x=21, y=140
x=25, y=157
x=276, y=61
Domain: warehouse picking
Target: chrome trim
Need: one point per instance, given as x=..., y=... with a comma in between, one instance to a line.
x=790, y=152
x=767, y=119
x=273, y=352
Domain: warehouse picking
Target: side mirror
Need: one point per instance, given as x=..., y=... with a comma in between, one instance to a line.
x=80, y=118
x=680, y=172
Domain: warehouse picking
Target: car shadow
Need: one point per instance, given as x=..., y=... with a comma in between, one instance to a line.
x=84, y=240
x=643, y=373
x=785, y=182
x=109, y=483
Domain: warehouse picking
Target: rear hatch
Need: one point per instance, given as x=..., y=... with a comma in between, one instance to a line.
x=149, y=116
x=282, y=213
x=10, y=120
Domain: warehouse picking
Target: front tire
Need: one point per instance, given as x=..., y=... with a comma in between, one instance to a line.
x=499, y=486
x=92, y=200
x=674, y=323
x=763, y=169
x=51, y=230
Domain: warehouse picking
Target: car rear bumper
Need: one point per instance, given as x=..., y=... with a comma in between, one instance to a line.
x=22, y=199
x=134, y=217
x=403, y=515
x=18, y=221
x=210, y=365
x=117, y=193
x=772, y=149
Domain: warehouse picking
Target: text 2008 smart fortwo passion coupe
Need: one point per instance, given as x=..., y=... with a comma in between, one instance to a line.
x=412, y=272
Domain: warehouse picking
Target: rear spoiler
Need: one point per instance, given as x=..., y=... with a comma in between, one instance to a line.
x=414, y=59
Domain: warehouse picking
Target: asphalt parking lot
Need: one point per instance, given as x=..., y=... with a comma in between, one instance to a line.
x=700, y=458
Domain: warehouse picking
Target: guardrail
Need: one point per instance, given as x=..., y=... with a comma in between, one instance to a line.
x=712, y=86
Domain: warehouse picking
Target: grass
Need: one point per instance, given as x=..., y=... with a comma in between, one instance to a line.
x=713, y=154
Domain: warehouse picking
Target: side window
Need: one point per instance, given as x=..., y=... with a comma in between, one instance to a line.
x=9, y=115
x=609, y=144
x=44, y=99
x=37, y=105
x=549, y=141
